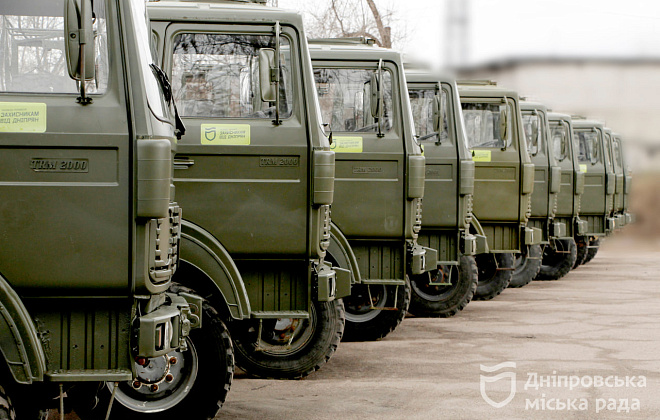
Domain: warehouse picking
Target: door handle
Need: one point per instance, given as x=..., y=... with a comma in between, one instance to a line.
x=184, y=163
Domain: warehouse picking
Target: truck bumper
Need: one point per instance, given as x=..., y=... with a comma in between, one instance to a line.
x=421, y=259
x=533, y=236
x=558, y=230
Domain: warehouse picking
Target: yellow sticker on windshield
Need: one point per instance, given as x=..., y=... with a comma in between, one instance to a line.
x=583, y=168
x=226, y=134
x=346, y=144
x=481, y=155
x=22, y=117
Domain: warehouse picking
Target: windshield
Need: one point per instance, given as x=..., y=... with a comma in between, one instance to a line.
x=532, y=122
x=588, y=146
x=217, y=75
x=32, y=55
x=344, y=97
x=482, y=124
x=421, y=101
x=559, y=140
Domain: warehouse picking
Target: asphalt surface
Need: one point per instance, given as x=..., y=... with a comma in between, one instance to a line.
x=600, y=321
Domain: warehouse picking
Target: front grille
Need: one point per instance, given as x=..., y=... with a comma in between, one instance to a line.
x=417, y=223
x=165, y=235
x=324, y=242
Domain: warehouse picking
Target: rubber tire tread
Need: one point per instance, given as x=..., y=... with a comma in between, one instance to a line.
x=384, y=323
x=463, y=292
x=531, y=268
x=206, y=396
x=7, y=409
x=591, y=252
x=581, y=244
x=561, y=267
x=331, y=316
x=487, y=289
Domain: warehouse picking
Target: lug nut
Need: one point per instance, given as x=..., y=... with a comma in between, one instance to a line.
x=169, y=377
x=173, y=360
x=154, y=387
x=137, y=384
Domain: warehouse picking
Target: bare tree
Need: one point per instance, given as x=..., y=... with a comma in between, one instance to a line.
x=352, y=18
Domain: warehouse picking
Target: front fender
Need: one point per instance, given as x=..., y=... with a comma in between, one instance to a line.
x=342, y=253
x=19, y=341
x=205, y=253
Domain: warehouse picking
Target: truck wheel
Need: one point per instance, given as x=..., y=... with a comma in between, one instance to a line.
x=591, y=252
x=366, y=324
x=290, y=348
x=526, y=265
x=495, y=273
x=444, y=301
x=201, y=378
x=581, y=243
x=7, y=411
x=558, y=261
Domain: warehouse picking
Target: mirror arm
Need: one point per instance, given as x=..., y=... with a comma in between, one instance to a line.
x=83, y=99
x=277, y=120
x=380, y=98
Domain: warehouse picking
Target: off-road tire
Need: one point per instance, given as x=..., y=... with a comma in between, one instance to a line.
x=444, y=301
x=381, y=322
x=7, y=410
x=581, y=244
x=557, y=264
x=491, y=281
x=526, y=266
x=591, y=252
x=327, y=320
x=215, y=373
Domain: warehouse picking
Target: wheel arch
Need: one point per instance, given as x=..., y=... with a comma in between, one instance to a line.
x=207, y=267
x=20, y=346
x=341, y=252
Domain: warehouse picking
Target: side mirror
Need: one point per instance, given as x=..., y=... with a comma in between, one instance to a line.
x=266, y=69
x=504, y=119
x=376, y=100
x=438, y=112
x=79, y=45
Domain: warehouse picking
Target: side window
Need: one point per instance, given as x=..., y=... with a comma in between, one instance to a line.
x=530, y=121
x=344, y=97
x=559, y=139
x=588, y=146
x=32, y=57
x=217, y=76
x=482, y=124
x=421, y=101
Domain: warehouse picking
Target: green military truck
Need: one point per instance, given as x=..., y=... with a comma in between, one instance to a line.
x=559, y=259
x=256, y=173
x=617, y=164
x=503, y=185
x=379, y=182
x=599, y=185
x=547, y=182
x=627, y=178
x=91, y=232
x=448, y=198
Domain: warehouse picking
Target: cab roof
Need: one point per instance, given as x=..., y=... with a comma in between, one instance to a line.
x=353, y=49
x=483, y=88
x=531, y=105
x=417, y=75
x=221, y=11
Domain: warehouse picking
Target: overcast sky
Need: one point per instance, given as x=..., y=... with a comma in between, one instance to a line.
x=514, y=28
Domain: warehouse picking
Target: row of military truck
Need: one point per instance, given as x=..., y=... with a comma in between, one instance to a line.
x=299, y=169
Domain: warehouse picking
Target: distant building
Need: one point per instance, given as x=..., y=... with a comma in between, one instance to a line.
x=625, y=93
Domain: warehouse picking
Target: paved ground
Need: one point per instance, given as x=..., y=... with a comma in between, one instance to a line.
x=599, y=321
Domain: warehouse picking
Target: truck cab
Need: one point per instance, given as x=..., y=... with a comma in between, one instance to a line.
x=256, y=173
x=90, y=239
x=627, y=178
x=560, y=258
x=599, y=183
x=379, y=182
x=448, y=195
x=504, y=181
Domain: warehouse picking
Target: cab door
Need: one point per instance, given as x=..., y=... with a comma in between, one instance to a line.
x=239, y=173
x=65, y=169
